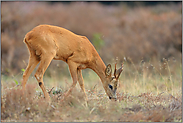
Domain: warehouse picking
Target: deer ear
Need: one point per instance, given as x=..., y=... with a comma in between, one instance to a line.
x=108, y=70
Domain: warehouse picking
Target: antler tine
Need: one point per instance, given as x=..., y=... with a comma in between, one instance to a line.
x=118, y=72
x=122, y=66
x=115, y=70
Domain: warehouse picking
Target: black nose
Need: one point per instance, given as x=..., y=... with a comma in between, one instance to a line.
x=113, y=98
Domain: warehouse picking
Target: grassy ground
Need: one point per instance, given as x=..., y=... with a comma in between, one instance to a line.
x=149, y=91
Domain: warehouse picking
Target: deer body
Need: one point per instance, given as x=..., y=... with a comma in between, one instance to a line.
x=46, y=42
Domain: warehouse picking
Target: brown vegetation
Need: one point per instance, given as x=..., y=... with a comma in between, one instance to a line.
x=145, y=107
x=136, y=33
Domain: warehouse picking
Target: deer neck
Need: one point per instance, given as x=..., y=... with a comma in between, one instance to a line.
x=99, y=68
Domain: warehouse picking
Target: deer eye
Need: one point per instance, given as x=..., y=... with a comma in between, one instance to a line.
x=110, y=86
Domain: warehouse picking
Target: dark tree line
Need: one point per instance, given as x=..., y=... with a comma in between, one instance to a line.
x=129, y=3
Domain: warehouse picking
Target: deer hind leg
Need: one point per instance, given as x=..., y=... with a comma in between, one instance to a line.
x=81, y=82
x=73, y=72
x=45, y=61
x=33, y=61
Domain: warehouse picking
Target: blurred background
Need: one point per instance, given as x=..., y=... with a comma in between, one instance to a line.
x=130, y=31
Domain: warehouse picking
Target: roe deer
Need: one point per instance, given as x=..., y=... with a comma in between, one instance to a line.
x=46, y=42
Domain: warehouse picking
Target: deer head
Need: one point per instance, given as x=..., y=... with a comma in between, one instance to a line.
x=112, y=81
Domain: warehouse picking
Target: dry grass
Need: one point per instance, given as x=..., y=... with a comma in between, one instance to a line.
x=134, y=108
x=142, y=96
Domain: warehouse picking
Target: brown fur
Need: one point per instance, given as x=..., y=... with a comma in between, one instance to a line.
x=46, y=42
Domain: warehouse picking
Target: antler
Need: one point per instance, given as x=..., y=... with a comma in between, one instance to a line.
x=118, y=72
x=115, y=70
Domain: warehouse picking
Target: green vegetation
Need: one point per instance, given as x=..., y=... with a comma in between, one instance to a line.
x=97, y=41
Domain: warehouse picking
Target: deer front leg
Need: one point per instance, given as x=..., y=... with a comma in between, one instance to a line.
x=73, y=72
x=81, y=82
